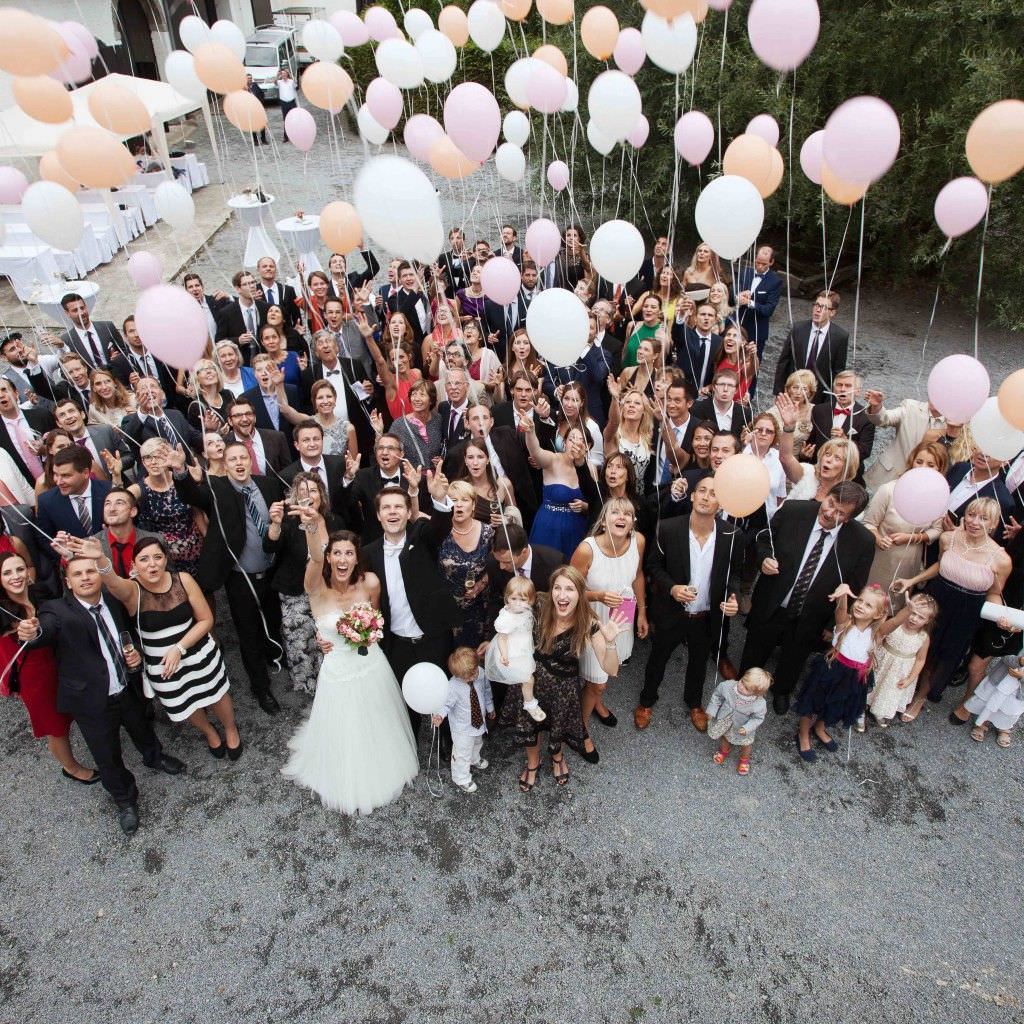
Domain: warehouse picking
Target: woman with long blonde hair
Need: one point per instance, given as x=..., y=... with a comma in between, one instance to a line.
x=109, y=400
x=630, y=430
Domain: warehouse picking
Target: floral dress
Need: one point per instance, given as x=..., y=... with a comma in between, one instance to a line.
x=165, y=512
x=459, y=567
x=336, y=437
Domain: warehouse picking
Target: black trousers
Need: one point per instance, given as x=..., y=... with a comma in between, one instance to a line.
x=102, y=735
x=287, y=106
x=781, y=628
x=695, y=634
x=257, y=652
x=402, y=654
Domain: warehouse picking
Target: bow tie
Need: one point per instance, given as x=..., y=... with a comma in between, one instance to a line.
x=390, y=481
x=841, y=412
x=332, y=373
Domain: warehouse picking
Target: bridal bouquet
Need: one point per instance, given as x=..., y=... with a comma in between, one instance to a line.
x=361, y=626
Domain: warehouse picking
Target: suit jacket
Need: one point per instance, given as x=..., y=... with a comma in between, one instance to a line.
x=704, y=409
x=335, y=466
x=667, y=563
x=451, y=437
x=504, y=416
x=124, y=364
x=857, y=426
x=83, y=679
x=516, y=256
x=231, y=324
x=756, y=319
x=513, y=462
x=217, y=497
x=501, y=324
x=686, y=345
x=455, y=268
x=285, y=298
x=139, y=430
x=830, y=361
x=263, y=420
x=591, y=371
x=545, y=561
x=31, y=378
x=994, y=488
x=38, y=420
x=276, y=450
x=356, y=506
x=400, y=301
x=427, y=590
x=107, y=335
x=357, y=278
x=912, y=421
x=358, y=410
x=849, y=561
x=56, y=511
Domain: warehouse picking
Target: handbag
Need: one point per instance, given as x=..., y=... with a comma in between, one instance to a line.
x=720, y=724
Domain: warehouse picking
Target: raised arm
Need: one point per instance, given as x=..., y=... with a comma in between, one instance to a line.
x=126, y=591
x=543, y=458
x=316, y=543
x=387, y=373
x=787, y=413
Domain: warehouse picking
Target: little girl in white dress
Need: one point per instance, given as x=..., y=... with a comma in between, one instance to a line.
x=900, y=656
x=509, y=658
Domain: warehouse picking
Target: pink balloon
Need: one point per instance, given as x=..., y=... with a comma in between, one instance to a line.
x=694, y=137
x=960, y=206
x=545, y=88
x=472, y=119
x=172, y=325
x=638, y=135
x=767, y=127
x=629, y=51
x=921, y=496
x=812, y=156
x=145, y=269
x=12, y=185
x=350, y=27
x=558, y=174
x=862, y=138
x=783, y=32
x=77, y=66
x=84, y=36
x=380, y=24
x=300, y=127
x=421, y=132
x=958, y=387
x=385, y=102
x=543, y=240
x=500, y=280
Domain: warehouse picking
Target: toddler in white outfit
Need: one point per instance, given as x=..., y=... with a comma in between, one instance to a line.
x=469, y=708
x=510, y=656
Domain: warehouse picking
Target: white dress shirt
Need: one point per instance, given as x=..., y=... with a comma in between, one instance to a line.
x=967, y=489
x=1015, y=475
x=830, y=539
x=822, y=339
x=286, y=90
x=320, y=468
x=700, y=571
x=336, y=378
x=92, y=346
x=115, y=635
x=724, y=418
x=403, y=622
x=271, y=293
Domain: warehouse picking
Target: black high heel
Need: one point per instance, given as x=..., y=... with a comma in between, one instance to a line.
x=524, y=779
x=234, y=753
x=590, y=756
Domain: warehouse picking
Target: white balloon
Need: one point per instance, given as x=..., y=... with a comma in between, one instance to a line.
x=558, y=325
x=604, y=144
x=228, y=34
x=416, y=22
x=400, y=63
x=993, y=435
x=510, y=161
x=617, y=251
x=572, y=96
x=322, y=40
x=615, y=104
x=372, y=130
x=729, y=214
x=437, y=52
x=180, y=72
x=517, y=80
x=54, y=215
x=174, y=205
x=486, y=25
x=399, y=208
x=425, y=688
x=670, y=44
x=516, y=127
x=193, y=32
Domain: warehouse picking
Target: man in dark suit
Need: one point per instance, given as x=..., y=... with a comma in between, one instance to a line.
x=238, y=505
x=95, y=438
x=809, y=550
x=818, y=344
x=268, y=450
x=362, y=486
x=844, y=417
x=452, y=411
x=355, y=278
x=264, y=401
x=275, y=292
x=981, y=477
x=719, y=407
x=241, y=319
x=137, y=361
x=696, y=348
x=344, y=375
x=455, y=263
x=504, y=321
x=416, y=599
x=525, y=392
x=756, y=293
x=210, y=303
x=93, y=340
x=509, y=245
x=74, y=380
x=93, y=686
x=20, y=432
x=513, y=554
x=674, y=447
x=120, y=534
x=410, y=301
x=590, y=371
x=308, y=439
x=151, y=419
x=694, y=568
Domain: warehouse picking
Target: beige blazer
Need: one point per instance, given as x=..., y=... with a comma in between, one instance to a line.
x=912, y=421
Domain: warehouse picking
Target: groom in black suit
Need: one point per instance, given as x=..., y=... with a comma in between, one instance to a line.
x=84, y=627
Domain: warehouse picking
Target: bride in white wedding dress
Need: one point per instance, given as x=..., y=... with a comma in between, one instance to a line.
x=356, y=750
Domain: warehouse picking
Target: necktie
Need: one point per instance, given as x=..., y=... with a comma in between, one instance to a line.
x=253, y=510
x=84, y=515
x=250, y=320
x=453, y=419
x=838, y=413
x=164, y=429
x=806, y=577
x=113, y=649
x=254, y=462
x=271, y=297
x=95, y=348
x=80, y=441
x=118, y=549
x=476, y=715
x=812, y=349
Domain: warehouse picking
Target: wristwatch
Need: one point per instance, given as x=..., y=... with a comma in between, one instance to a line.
x=789, y=430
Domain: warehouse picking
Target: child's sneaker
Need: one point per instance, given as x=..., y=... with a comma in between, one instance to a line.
x=533, y=709
x=861, y=724
x=481, y=765
x=469, y=787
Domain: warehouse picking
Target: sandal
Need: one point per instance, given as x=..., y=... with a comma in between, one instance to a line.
x=979, y=732
x=743, y=768
x=561, y=778
x=1003, y=738
x=906, y=717
x=525, y=785
x=719, y=757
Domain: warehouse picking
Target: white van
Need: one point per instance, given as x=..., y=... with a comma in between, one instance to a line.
x=269, y=49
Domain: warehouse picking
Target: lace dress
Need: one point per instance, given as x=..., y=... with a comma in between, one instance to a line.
x=894, y=659
x=165, y=512
x=336, y=437
x=458, y=567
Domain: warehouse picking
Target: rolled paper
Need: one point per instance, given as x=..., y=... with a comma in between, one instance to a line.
x=994, y=612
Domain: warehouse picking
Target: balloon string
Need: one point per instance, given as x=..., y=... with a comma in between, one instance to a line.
x=860, y=267
x=981, y=270
x=789, y=198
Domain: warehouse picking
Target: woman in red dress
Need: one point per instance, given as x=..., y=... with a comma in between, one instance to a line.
x=32, y=674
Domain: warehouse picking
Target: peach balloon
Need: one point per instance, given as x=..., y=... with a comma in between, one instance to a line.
x=555, y=12
x=218, y=68
x=43, y=98
x=552, y=55
x=340, y=227
x=775, y=177
x=452, y=21
x=30, y=45
x=244, y=111
x=327, y=86
x=839, y=191
x=750, y=157
x=1011, y=399
x=742, y=484
x=599, y=31
x=995, y=141
x=669, y=9
x=118, y=109
x=449, y=161
x=515, y=10
x=95, y=157
x=50, y=169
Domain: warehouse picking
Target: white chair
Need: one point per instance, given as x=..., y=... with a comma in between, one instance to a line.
x=195, y=170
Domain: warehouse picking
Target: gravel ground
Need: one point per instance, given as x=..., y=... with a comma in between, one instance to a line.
x=654, y=887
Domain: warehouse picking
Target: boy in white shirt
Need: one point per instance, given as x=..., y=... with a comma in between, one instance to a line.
x=468, y=708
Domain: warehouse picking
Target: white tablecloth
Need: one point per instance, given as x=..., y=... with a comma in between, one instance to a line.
x=253, y=215
x=48, y=298
x=303, y=237
x=27, y=266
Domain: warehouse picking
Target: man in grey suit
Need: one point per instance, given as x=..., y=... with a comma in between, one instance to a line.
x=120, y=534
x=97, y=439
x=91, y=339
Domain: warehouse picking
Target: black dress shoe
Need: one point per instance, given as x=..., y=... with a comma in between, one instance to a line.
x=609, y=721
x=91, y=781
x=168, y=765
x=780, y=702
x=234, y=753
x=590, y=756
x=218, y=751
x=268, y=702
x=128, y=819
